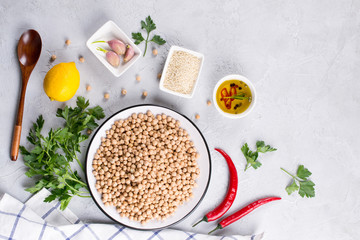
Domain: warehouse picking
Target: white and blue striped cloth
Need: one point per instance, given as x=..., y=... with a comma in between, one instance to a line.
x=38, y=220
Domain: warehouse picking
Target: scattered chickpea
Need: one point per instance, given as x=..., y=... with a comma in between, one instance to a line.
x=146, y=179
x=53, y=58
x=89, y=131
x=155, y=51
x=82, y=59
x=138, y=78
x=197, y=116
x=123, y=91
x=159, y=75
x=68, y=42
x=208, y=103
x=88, y=88
x=144, y=94
x=106, y=95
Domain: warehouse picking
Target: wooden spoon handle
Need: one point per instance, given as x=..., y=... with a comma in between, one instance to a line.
x=15, y=143
x=17, y=129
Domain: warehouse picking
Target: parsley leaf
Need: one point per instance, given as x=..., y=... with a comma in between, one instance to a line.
x=260, y=145
x=50, y=157
x=148, y=25
x=306, y=188
x=137, y=37
x=303, y=172
x=292, y=188
x=255, y=164
x=82, y=103
x=50, y=198
x=251, y=157
x=97, y=112
x=157, y=39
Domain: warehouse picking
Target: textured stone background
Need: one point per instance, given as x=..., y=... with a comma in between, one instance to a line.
x=302, y=56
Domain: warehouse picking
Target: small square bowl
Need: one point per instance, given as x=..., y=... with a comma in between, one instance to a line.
x=171, y=51
x=108, y=32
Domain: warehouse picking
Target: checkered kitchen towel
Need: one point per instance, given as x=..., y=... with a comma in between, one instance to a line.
x=38, y=220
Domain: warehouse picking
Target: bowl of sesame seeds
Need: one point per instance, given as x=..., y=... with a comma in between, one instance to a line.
x=181, y=72
x=148, y=167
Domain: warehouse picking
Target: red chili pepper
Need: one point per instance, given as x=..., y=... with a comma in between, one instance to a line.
x=233, y=91
x=224, y=94
x=220, y=210
x=242, y=212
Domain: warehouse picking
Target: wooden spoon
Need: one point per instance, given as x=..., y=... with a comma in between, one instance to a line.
x=29, y=49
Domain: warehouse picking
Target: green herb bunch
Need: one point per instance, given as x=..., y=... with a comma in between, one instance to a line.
x=149, y=26
x=51, y=155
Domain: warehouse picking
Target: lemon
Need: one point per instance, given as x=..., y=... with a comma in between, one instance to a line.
x=62, y=81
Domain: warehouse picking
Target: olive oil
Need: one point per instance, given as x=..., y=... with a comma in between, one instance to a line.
x=233, y=96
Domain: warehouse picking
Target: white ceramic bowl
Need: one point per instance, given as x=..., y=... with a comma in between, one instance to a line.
x=253, y=93
x=203, y=163
x=107, y=32
x=171, y=51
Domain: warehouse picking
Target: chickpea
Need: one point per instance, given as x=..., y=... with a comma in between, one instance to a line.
x=138, y=78
x=52, y=58
x=82, y=59
x=123, y=91
x=106, y=95
x=144, y=94
x=208, y=103
x=67, y=42
x=88, y=88
x=155, y=52
x=197, y=116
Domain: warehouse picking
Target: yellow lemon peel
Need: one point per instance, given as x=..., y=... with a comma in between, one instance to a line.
x=62, y=81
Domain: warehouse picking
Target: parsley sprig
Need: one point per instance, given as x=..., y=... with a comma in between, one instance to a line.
x=252, y=156
x=239, y=96
x=149, y=26
x=50, y=158
x=305, y=187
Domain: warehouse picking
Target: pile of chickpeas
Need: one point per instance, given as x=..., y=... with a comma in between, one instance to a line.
x=146, y=167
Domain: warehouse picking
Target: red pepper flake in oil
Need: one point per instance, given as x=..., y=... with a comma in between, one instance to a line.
x=225, y=95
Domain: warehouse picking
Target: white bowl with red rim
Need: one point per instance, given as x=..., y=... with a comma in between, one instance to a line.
x=253, y=98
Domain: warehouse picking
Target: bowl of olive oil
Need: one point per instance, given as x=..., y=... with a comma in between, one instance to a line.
x=234, y=96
